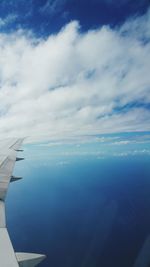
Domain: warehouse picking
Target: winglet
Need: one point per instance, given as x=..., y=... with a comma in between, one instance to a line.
x=29, y=259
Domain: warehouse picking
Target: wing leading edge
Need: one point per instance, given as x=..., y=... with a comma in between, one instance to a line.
x=8, y=258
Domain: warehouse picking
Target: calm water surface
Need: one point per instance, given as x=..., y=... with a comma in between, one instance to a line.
x=81, y=211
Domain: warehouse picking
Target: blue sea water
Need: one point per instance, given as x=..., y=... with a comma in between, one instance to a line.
x=80, y=210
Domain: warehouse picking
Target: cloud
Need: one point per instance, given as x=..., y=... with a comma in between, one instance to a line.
x=4, y=22
x=75, y=83
x=52, y=7
x=123, y=142
x=132, y=153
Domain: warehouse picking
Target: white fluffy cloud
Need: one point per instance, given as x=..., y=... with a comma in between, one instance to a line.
x=75, y=83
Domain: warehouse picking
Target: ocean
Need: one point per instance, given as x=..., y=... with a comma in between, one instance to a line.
x=80, y=210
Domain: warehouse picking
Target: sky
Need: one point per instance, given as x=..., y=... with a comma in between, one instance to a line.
x=72, y=69
x=74, y=77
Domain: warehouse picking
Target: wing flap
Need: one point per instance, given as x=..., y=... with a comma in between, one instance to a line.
x=7, y=165
x=6, y=170
x=2, y=215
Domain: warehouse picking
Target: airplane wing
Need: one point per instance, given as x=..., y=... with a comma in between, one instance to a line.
x=8, y=258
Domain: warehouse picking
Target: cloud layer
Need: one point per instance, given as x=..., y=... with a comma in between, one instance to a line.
x=75, y=83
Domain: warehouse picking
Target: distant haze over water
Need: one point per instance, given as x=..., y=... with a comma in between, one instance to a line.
x=81, y=209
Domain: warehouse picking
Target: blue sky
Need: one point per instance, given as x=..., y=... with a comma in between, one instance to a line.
x=69, y=69
x=48, y=16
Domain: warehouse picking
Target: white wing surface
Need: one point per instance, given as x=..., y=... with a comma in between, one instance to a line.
x=8, y=258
